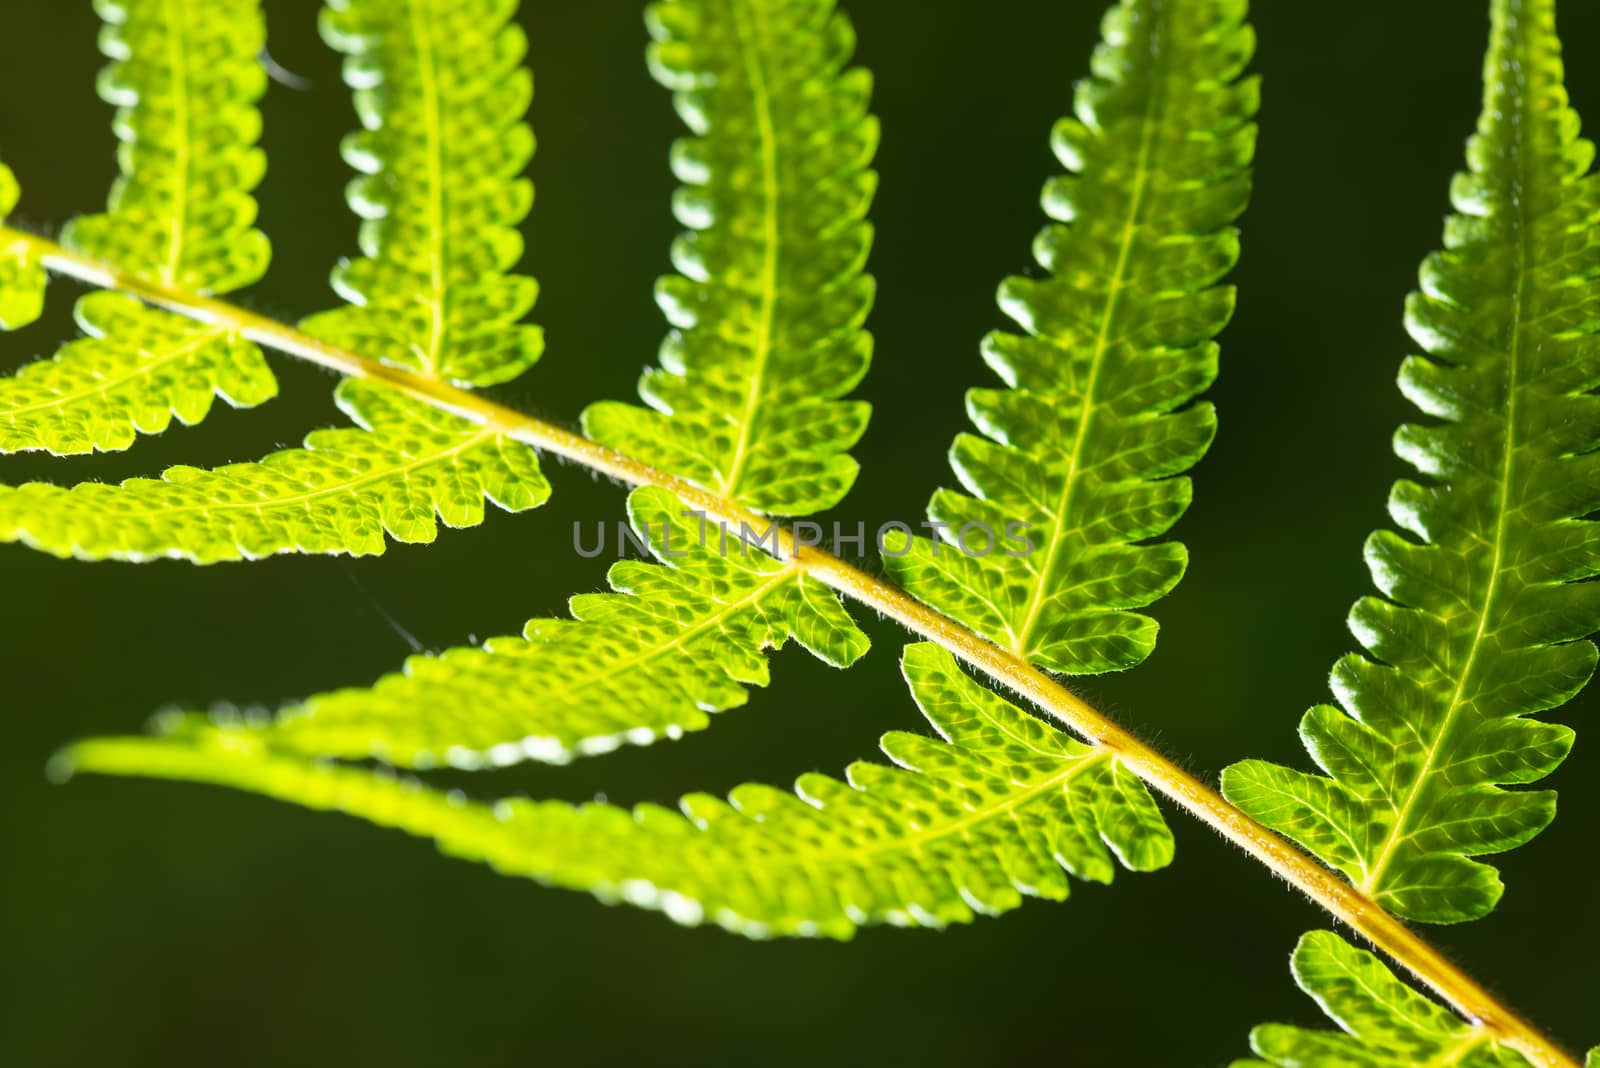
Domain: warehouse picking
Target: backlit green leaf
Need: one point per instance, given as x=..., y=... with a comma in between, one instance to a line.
x=136, y=369
x=680, y=639
x=999, y=806
x=441, y=93
x=1383, y=1022
x=1484, y=612
x=770, y=297
x=1046, y=554
x=185, y=79
x=405, y=466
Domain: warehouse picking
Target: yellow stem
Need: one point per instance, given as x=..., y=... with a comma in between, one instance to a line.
x=1328, y=890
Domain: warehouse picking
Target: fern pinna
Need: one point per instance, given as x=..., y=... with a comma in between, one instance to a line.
x=1078, y=463
x=1077, y=455
x=995, y=808
x=770, y=294
x=1485, y=618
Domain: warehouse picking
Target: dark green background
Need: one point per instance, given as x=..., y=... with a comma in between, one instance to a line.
x=164, y=924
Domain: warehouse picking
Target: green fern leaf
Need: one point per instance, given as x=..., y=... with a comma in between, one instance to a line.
x=681, y=639
x=1485, y=616
x=1002, y=806
x=770, y=295
x=1385, y=1023
x=407, y=463
x=185, y=78
x=22, y=278
x=441, y=91
x=137, y=368
x=1076, y=465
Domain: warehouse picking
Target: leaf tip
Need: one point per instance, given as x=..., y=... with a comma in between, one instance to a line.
x=62, y=766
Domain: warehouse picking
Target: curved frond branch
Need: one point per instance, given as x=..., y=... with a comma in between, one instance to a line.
x=441, y=91
x=770, y=295
x=680, y=639
x=1110, y=744
x=998, y=807
x=1383, y=1023
x=1079, y=460
x=1278, y=854
x=1485, y=610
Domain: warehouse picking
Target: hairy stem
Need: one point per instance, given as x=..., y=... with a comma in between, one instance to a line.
x=1327, y=889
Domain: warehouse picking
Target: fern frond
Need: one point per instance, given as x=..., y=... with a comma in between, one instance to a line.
x=1485, y=613
x=770, y=297
x=404, y=463
x=1385, y=1024
x=441, y=93
x=185, y=77
x=679, y=640
x=22, y=277
x=136, y=369
x=1003, y=805
x=1076, y=465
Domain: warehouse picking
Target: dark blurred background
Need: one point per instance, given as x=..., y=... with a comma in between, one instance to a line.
x=166, y=924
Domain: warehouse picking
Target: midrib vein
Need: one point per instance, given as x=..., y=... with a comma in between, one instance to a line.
x=766, y=134
x=720, y=614
x=1119, y=277
x=146, y=364
x=1453, y=1050
x=182, y=152
x=1458, y=1050
x=334, y=490
x=723, y=611
x=428, y=88
x=981, y=814
x=1521, y=224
